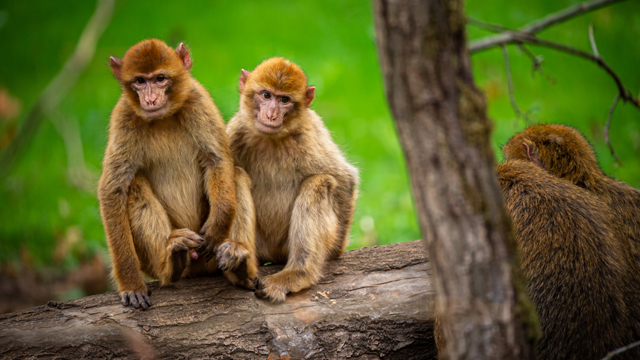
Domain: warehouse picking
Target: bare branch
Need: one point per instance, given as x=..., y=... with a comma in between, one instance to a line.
x=487, y=26
x=61, y=84
x=608, y=125
x=615, y=352
x=625, y=94
x=592, y=40
x=538, y=25
x=566, y=14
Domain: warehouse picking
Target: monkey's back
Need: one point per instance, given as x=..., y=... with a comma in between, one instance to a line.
x=624, y=201
x=582, y=279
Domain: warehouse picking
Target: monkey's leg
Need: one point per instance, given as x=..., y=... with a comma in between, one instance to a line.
x=163, y=251
x=312, y=232
x=237, y=255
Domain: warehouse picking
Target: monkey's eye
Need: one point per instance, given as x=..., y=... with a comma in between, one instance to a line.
x=285, y=99
x=160, y=78
x=140, y=80
x=266, y=95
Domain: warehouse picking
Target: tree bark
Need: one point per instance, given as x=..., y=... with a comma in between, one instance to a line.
x=445, y=133
x=373, y=303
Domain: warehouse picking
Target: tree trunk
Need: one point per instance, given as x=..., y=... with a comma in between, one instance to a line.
x=373, y=303
x=444, y=130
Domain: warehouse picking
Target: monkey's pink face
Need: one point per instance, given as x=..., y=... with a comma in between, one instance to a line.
x=271, y=109
x=152, y=92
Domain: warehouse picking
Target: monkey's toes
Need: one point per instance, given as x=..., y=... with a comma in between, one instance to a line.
x=268, y=290
x=137, y=299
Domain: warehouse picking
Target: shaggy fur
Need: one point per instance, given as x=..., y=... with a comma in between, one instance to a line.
x=164, y=179
x=565, y=153
x=304, y=190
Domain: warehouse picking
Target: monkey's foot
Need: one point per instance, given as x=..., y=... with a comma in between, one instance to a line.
x=239, y=265
x=272, y=288
x=136, y=298
x=180, y=244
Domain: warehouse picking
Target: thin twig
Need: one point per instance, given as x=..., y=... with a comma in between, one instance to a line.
x=625, y=94
x=538, y=25
x=60, y=85
x=615, y=352
x=536, y=63
x=592, y=40
x=606, y=129
x=487, y=26
x=512, y=97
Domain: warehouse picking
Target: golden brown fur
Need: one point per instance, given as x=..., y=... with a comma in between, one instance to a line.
x=165, y=176
x=304, y=190
x=583, y=282
x=565, y=153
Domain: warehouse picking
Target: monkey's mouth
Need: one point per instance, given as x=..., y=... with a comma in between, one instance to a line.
x=154, y=113
x=268, y=128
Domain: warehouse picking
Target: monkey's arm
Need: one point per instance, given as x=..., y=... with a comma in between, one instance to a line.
x=113, y=189
x=220, y=190
x=207, y=128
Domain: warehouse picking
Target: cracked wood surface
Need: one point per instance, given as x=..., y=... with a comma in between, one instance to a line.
x=373, y=303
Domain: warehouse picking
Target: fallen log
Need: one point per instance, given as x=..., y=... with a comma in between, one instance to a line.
x=373, y=303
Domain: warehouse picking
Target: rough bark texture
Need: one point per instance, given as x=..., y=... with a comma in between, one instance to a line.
x=374, y=303
x=444, y=130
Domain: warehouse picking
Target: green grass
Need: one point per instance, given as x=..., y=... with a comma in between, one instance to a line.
x=334, y=42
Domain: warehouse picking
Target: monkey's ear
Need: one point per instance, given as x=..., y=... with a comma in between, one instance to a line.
x=183, y=53
x=116, y=66
x=244, y=75
x=309, y=95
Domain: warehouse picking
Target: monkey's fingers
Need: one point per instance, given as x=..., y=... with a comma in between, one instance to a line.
x=142, y=301
x=146, y=298
x=190, y=243
x=134, y=301
x=227, y=256
x=125, y=299
x=206, y=249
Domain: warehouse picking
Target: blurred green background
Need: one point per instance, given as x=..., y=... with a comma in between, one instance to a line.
x=49, y=219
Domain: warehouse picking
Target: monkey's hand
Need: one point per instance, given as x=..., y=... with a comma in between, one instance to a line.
x=181, y=244
x=272, y=288
x=238, y=264
x=208, y=247
x=138, y=298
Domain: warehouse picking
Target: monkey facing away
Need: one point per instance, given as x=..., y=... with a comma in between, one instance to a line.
x=167, y=173
x=304, y=191
x=565, y=153
x=583, y=282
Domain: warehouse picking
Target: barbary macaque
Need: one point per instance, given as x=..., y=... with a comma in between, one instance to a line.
x=577, y=230
x=565, y=153
x=304, y=191
x=168, y=187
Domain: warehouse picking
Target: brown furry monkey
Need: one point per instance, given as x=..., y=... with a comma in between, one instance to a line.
x=304, y=190
x=167, y=173
x=565, y=153
x=582, y=280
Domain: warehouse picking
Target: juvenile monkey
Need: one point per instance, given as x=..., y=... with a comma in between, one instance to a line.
x=304, y=190
x=582, y=281
x=168, y=172
x=565, y=153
